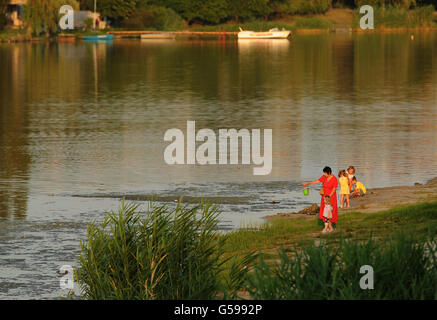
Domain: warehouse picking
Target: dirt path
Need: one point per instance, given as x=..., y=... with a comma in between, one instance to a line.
x=380, y=199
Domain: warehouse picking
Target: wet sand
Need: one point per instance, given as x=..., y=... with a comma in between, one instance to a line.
x=380, y=199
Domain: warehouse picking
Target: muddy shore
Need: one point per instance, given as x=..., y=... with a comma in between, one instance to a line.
x=377, y=199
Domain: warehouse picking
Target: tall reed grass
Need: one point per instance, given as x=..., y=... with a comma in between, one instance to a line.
x=403, y=269
x=158, y=254
x=399, y=17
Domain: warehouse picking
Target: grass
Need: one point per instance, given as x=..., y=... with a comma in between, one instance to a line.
x=313, y=23
x=178, y=254
x=420, y=218
x=81, y=33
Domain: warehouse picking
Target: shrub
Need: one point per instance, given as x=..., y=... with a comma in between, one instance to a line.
x=158, y=254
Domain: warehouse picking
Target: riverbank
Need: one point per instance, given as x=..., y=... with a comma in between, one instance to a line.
x=380, y=199
x=379, y=215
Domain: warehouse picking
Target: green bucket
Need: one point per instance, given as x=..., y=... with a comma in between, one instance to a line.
x=306, y=191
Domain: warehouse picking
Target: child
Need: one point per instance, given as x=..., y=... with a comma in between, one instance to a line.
x=327, y=214
x=359, y=188
x=350, y=175
x=344, y=188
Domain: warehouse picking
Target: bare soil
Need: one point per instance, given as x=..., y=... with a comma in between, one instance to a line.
x=380, y=199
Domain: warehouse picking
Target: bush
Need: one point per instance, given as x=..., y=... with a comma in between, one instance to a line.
x=403, y=269
x=159, y=254
x=421, y=17
x=154, y=17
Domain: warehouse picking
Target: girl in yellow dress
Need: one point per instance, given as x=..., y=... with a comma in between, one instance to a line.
x=344, y=188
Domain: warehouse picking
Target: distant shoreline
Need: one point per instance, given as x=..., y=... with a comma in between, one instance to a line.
x=185, y=34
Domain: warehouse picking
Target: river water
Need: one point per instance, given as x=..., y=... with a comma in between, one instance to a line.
x=83, y=123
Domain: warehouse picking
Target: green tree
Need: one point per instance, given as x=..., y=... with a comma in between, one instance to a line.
x=116, y=10
x=247, y=9
x=205, y=11
x=42, y=16
x=209, y=11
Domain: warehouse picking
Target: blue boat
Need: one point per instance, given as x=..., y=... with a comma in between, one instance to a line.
x=103, y=37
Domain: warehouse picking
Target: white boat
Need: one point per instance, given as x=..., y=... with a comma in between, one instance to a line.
x=274, y=33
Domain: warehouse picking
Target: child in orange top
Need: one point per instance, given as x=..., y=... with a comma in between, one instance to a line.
x=344, y=188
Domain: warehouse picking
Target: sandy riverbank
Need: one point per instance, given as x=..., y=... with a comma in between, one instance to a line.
x=380, y=199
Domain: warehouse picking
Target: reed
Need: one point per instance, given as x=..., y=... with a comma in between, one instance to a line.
x=395, y=17
x=158, y=254
x=403, y=269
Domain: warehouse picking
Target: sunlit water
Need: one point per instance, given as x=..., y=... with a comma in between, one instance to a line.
x=81, y=119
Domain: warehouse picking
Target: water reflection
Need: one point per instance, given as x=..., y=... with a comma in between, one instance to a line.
x=272, y=46
x=88, y=117
x=15, y=159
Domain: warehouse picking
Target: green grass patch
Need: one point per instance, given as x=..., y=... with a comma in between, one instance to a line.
x=313, y=23
x=287, y=232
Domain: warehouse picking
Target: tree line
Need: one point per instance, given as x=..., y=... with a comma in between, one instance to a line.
x=219, y=11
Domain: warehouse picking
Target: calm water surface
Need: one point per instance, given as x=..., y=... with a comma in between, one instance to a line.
x=81, y=119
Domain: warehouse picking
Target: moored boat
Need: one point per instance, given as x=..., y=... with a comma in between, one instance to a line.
x=98, y=37
x=274, y=33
